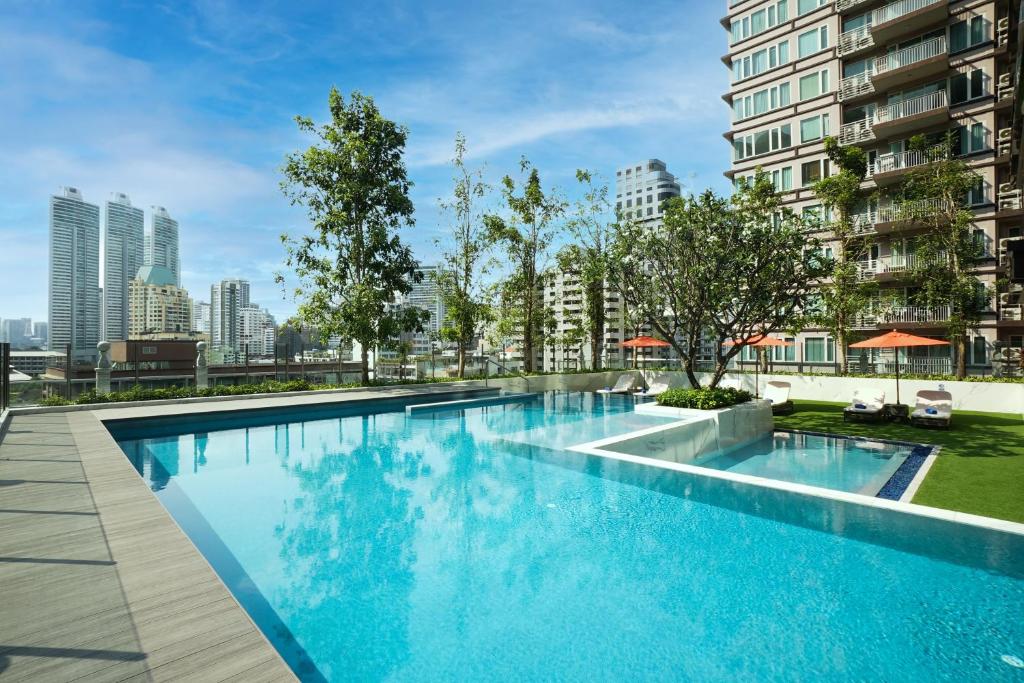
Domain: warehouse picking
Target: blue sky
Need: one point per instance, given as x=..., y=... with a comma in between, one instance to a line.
x=190, y=105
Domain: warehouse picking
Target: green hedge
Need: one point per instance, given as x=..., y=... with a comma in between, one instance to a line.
x=703, y=399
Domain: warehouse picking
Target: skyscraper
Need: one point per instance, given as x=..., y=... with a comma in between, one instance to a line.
x=156, y=305
x=161, y=243
x=876, y=74
x=226, y=302
x=122, y=257
x=74, y=316
x=642, y=188
x=201, y=317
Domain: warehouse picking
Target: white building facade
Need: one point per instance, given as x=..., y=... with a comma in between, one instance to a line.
x=74, y=293
x=227, y=299
x=161, y=242
x=123, y=242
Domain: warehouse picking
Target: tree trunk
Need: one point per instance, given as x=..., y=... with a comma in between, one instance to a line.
x=844, y=359
x=462, y=361
x=690, y=375
x=364, y=369
x=762, y=358
x=961, y=356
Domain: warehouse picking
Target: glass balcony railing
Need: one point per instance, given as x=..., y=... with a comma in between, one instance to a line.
x=909, y=56
x=901, y=8
x=912, y=107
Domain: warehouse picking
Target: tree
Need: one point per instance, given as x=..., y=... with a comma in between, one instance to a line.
x=947, y=254
x=354, y=187
x=526, y=233
x=844, y=295
x=462, y=267
x=586, y=258
x=718, y=270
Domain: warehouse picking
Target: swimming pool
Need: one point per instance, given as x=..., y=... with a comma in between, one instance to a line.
x=472, y=545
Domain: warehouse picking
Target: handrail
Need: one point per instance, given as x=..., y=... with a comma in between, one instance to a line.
x=854, y=86
x=910, y=55
x=900, y=8
x=856, y=131
x=505, y=369
x=911, y=107
x=855, y=39
x=886, y=163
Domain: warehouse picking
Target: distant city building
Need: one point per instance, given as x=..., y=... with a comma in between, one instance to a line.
x=252, y=330
x=226, y=302
x=641, y=189
x=35, y=362
x=161, y=243
x=563, y=297
x=201, y=317
x=40, y=333
x=122, y=257
x=74, y=293
x=16, y=331
x=425, y=295
x=157, y=305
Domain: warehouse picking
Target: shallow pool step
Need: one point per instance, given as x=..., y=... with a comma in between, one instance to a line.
x=463, y=404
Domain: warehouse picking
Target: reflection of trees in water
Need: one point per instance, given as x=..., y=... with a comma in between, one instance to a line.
x=347, y=543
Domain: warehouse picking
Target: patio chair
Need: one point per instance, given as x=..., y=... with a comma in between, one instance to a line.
x=866, y=405
x=777, y=393
x=624, y=385
x=658, y=385
x=932, y=409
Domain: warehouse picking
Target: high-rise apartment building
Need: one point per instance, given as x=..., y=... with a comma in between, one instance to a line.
x=156, y=305
x=227, y=299
x=122, y=257
x=642, y=188
x=201, y=317
x=566, y=343
x=875, y=74
x=16, y=331
x=161, y=242
x=425, y=295
x=253, y=323
x=74, y=294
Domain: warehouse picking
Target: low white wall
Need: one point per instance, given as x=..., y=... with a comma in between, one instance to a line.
x=993, y=397
x=591, y=381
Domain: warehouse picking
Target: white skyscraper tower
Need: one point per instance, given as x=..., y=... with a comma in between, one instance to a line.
x=122, y=257
x=642, y=188
x=227, y=300
x=161, y=244
x=74, y=274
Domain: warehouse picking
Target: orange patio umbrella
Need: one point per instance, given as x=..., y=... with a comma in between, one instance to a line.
x=759, y=341
x=643, y=343
x=894, y=339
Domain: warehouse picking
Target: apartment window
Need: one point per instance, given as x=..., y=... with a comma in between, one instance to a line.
x=629, y=202
x=761, y=61
x=814, y=128
x=815, y=215
x=966, y=87
x=976, y=195
x=805, y=6
x=812, y=41
x=650, y=211
x=759, y=21
x=972, y=139
x=762, y=142
x=966, y=34
x=782, y=179
x=819, y=350
x=650, y=198
x=762, y=101
x=813, y=171
x=814, y=84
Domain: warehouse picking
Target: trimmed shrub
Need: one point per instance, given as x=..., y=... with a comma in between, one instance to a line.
x=706, y=398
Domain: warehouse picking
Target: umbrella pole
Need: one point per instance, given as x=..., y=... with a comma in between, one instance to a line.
x=757, y=370
x=897, y=352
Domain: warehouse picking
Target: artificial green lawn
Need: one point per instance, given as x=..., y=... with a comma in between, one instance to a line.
x=980, y=468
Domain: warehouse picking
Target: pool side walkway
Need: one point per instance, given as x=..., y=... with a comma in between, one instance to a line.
x=97, y=580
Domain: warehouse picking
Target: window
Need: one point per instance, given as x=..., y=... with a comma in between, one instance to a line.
x=814, y=84
x=782, y=179
x=966, y=34
x=814, y=128
x=762, y=142
x=977, y=352
x=819, y=350
x=814, y=215
x=760, y=61
x=972, y=139
x=650, y=211
x=966, y=87
x=812, y=41
x=761, y=101
x=976, y=195
x=813, y=171
x=805, y=6
x=785, y=353
x=759, y=21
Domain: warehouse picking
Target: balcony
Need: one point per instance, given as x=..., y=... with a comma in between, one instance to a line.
x=917, y=112
x=895, y=69
x=905, y=213
x=905, y=17
x=855, y=40
x=855, y=87
x=881, y=315
x=843, y=6
x=887, y=169
x=856, y=132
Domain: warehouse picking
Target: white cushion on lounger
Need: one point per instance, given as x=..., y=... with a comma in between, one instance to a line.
x=940, y=401
x=624, y=385
x=777, y=392
x=873, y=401
x=658, y=385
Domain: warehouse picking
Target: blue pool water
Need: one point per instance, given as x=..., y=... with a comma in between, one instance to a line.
x=469, y=545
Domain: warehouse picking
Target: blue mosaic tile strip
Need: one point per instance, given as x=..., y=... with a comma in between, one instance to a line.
x=901, y=479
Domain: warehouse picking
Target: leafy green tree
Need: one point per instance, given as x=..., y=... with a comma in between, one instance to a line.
x=586, y=258
x=462, y=266
x=353, y=184
x=844, y=295
x=525, y=233
x=718, y=270
x=947, y=253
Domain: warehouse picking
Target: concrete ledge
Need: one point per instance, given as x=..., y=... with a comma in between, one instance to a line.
x=462, y=404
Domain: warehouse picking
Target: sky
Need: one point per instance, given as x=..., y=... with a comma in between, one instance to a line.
x=190, y=104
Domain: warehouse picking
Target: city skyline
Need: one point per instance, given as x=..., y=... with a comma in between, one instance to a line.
x=211, y=155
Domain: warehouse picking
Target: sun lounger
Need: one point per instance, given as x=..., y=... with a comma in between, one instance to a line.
x=866, y=405
x=932, y=409
x=658, y=385
x=624, y=385
x=777, y=393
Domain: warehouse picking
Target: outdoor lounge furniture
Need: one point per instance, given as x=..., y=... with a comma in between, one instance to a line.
x=932, y=409
x=658, y=385
x=777, y=393
x=866, y=405
x=624, y=385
